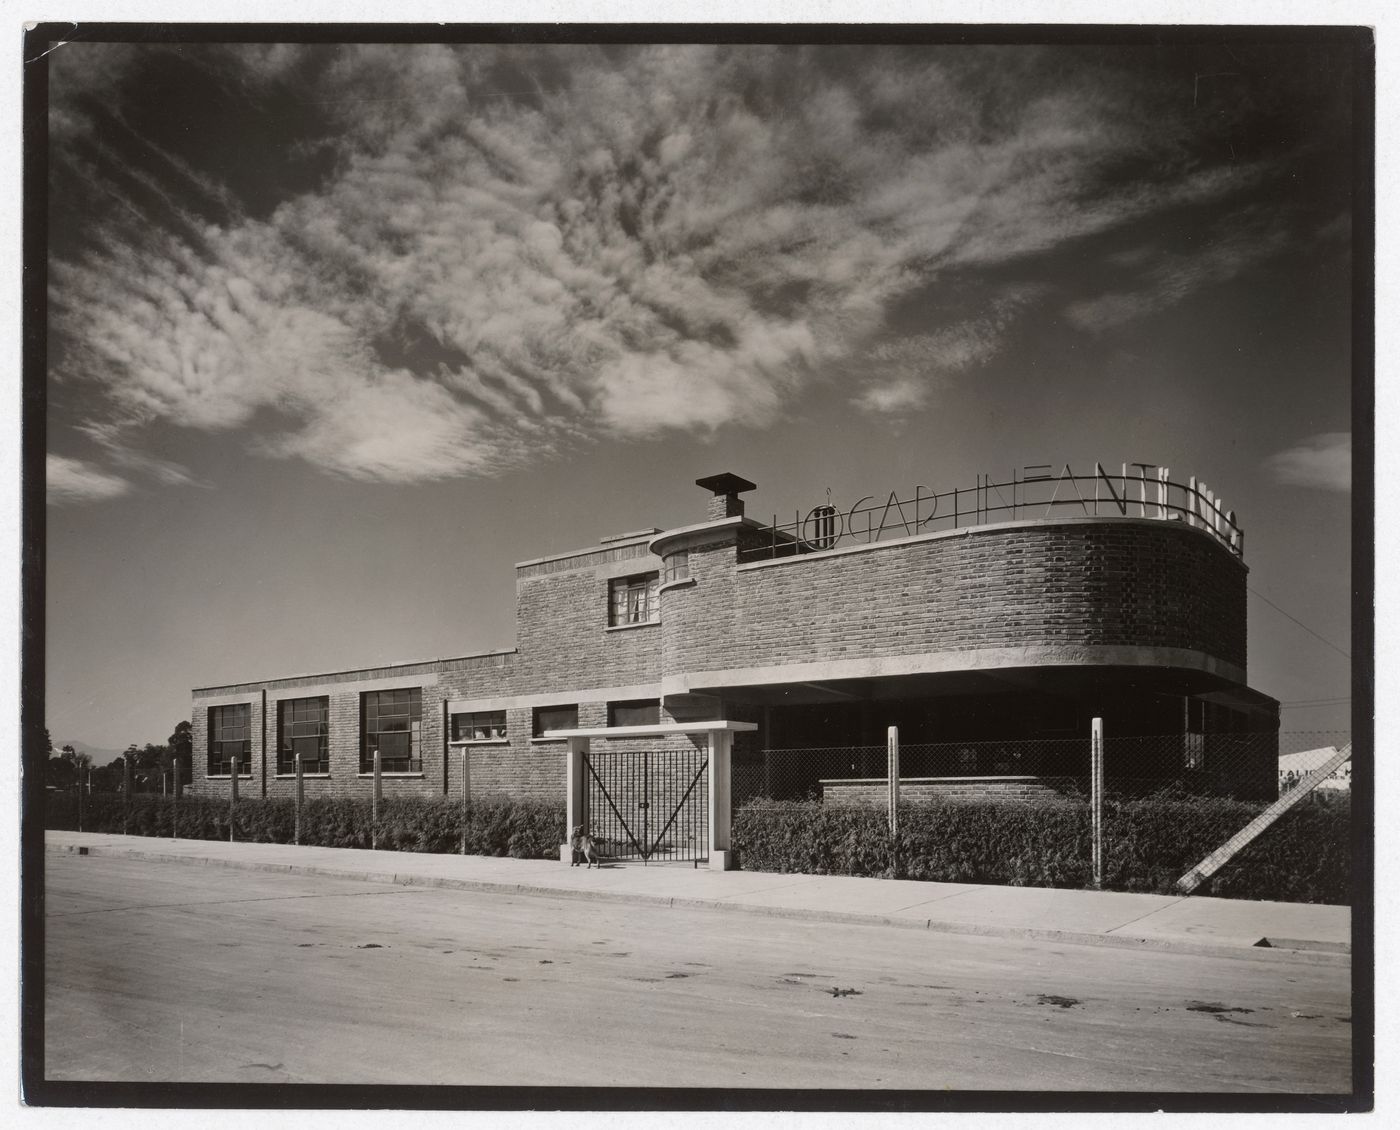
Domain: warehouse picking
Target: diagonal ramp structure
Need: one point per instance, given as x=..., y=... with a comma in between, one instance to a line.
x=1251, y=831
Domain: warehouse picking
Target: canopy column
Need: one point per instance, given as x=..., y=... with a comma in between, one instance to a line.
x=574, y=796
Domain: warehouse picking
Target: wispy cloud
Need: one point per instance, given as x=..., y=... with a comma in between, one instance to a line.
x=901, y=375
x=73, y=480
x=1322, y=461
x=522, y=249
x=1166, y=279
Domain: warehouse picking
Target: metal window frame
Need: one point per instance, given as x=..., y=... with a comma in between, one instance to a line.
x=372, y=706
x=285, y=739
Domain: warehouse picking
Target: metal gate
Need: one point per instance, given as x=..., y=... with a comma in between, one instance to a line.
x=650, y=805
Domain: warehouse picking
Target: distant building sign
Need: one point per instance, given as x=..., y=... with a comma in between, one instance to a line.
x=1138, y=490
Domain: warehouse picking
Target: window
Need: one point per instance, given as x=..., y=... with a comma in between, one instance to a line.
x=302, y=732
x=675, y=566
x=632, y=600
x=554, y=718
x=391, y=721
x=481, y=726
x=640, y=712
x=230, y=735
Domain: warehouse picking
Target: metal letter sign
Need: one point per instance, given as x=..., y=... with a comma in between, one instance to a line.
x=1140, y=490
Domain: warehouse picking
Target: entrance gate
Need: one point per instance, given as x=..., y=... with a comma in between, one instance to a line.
x=648, y=804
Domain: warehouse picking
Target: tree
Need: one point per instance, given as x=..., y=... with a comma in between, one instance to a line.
x=80, y=761
x=181, y=744
x=59, y=774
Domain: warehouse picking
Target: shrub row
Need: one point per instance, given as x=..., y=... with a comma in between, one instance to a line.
x=494, y=826
x=1148, y=845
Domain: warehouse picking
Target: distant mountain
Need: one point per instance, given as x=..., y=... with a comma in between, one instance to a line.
x=99, y=756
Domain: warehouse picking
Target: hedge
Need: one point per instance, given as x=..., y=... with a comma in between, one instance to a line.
x=494, y=826
x=1148, y=845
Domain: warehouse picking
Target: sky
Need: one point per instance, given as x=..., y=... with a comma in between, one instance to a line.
x=339, y=333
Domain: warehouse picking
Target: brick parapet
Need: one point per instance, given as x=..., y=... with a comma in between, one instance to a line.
x=1139, y=584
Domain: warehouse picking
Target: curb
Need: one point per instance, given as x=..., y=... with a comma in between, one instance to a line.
x=1298, y=951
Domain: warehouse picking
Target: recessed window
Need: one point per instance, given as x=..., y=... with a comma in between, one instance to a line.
x=303, y=732
x=632, y=600
x=230, y=735
x=675, y=566
x=554, y=718
x=639, y=712
x=481, y=726
x=391, y=722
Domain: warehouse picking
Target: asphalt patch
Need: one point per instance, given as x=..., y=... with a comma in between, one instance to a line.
x=1242, y=1023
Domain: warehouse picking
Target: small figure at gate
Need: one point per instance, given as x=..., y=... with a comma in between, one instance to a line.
x=584, y=848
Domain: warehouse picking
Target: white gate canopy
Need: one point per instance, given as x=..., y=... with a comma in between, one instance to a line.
x=663, y=730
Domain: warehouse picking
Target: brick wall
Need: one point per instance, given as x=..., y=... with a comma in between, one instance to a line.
x=564, y=638
x=1005, y=790
x=1144, y=584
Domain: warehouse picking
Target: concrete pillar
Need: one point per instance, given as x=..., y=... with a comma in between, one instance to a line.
x=721, y=750
x=574, y=796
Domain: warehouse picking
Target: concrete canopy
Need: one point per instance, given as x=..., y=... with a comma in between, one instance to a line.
x=663, y=730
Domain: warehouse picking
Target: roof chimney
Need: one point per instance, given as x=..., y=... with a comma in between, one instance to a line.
x=726, y=502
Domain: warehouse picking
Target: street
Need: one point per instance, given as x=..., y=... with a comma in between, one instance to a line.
x=171, y=972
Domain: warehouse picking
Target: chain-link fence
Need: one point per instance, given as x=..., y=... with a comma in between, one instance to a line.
x=1245, y=766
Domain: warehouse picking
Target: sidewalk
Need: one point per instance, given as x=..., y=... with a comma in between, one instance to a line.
x=1263, y=930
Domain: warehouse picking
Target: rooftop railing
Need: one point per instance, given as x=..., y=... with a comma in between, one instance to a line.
x=1033, y=496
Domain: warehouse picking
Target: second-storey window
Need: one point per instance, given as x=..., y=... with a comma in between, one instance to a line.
x=675, y=566
x=230, y=735
x=632, y=600
x=391, y=721
x=303, y=732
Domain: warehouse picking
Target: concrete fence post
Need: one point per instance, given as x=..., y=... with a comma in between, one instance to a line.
x=575, y=796
x=1096, y=797
x=80, y=800
x=466, y=798
x=301, y=797
x=892, y=771
x=232, y=794
x=374, y=802
x=126, y=794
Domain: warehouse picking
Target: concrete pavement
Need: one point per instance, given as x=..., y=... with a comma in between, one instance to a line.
x=1295, y=931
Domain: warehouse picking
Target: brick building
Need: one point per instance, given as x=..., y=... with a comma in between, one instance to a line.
x=1010, y=623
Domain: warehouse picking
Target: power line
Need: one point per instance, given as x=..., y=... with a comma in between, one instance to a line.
x=1295, y=620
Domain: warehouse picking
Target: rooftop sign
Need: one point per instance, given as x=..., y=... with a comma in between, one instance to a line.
x=1136, y=490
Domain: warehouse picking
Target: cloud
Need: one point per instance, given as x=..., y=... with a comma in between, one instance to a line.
x=73, y=480
x=901, y=375
x=114, y=441
x=1322, y=461
x=518, y=249
x=1234, y=245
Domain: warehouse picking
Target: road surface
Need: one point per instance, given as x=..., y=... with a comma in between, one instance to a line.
x=171, y=972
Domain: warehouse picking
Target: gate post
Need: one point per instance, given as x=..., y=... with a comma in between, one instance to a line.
x=721, y=748
x=573, y=796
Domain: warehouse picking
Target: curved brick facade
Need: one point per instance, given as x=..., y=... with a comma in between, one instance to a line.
x=1077, y=583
